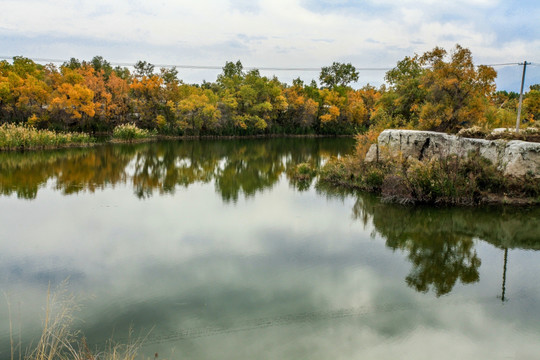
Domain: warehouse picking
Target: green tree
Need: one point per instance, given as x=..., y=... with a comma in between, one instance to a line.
x=169, y=76
x=233, y=69
x=143, y=68
x=338, y=75
x=101, y=65
x=406, y=93
x=73, y=64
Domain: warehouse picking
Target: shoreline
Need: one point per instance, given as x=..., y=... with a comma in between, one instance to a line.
x=487, y=200
x=155, y=138
x=450, y=182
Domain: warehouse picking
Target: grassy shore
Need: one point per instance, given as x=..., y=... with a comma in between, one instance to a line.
x=17, y=137
x=448, y=181
x=23, y=137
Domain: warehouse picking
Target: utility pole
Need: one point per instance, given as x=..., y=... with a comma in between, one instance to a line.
x=504, y=275
x=525, y=63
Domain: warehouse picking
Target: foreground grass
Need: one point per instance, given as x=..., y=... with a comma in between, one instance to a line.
x=450, y=181
x=59, y=341
x=18, y=137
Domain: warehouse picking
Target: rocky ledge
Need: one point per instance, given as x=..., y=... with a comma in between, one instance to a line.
x=515, y=158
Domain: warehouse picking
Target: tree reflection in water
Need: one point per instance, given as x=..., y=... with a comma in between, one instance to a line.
x=440, y=256
x=235, y=166
x=440, y=242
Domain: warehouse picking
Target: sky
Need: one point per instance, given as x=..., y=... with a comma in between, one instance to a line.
x=275, y=33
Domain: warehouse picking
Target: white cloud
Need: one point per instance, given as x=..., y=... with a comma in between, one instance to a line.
x=280, y=33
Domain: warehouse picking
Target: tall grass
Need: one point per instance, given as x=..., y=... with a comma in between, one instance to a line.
x=59, y=341
x=130, y=132
x=15, y=137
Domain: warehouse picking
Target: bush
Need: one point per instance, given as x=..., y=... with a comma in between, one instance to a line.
x=129, y=132
x=450, y=180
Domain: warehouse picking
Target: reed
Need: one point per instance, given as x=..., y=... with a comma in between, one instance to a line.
x=26, y=137
x=130, y=132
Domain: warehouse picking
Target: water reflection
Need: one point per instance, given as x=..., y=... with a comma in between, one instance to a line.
x=440, y=242
x=236, y=166
x=242, y=261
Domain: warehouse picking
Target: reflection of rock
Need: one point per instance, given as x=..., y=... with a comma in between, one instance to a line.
x=515, y=158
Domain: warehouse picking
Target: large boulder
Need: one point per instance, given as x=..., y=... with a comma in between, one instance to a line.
x=520, y=158
x=515, y=158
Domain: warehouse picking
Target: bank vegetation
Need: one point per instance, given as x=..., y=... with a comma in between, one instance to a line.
x=438, y=90
x=450, y=180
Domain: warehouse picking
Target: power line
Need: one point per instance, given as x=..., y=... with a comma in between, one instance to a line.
x=206, y=67
x=502, y=64
x=216, y=67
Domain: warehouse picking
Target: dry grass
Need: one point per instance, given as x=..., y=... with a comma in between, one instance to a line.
x=58, y=339
x=16, y=137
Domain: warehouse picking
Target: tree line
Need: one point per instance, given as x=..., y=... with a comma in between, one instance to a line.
x=437, y=90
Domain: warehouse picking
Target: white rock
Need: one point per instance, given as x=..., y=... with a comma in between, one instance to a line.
x=515, y=158
x=372, y=154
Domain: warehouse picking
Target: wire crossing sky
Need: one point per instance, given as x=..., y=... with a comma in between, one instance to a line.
x=289, y=38
x=220, y=67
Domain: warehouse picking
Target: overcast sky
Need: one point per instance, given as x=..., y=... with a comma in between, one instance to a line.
x=275, y=33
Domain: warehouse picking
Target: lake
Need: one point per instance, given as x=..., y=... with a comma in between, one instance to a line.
x=210, y=250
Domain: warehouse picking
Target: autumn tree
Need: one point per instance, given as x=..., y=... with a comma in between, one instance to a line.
x=197, y=112
x=250, y=103
x=23, y=91
x=301, y=112
x=456, y=90
x=341, y=113
x=147, y=92
x=72, y=102
x=370, y=97
x=118, y=110
x=531, y=104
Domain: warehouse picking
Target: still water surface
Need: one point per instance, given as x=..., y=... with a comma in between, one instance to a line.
x=208, y=250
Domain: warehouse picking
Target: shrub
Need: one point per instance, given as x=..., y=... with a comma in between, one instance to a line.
x=129, y=132
x=449, y=180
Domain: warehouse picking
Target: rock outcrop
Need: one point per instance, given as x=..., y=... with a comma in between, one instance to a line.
x=516, y=158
